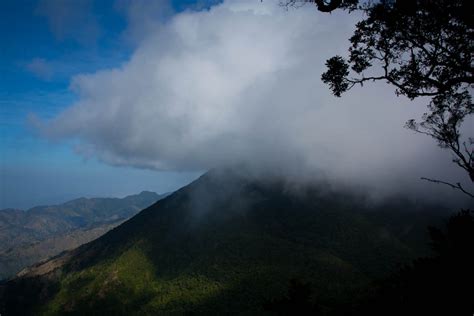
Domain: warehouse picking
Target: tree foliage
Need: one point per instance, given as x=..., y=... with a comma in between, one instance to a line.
x=327, y=6
x=436, y=285
x=424, y=48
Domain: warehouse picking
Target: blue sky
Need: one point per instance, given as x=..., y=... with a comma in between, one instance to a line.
x=44, y=44
x=185, y=86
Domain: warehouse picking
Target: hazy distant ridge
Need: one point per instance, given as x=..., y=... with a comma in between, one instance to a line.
x=43, y=231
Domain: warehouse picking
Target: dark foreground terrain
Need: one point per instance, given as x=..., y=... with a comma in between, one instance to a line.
x=233, y=244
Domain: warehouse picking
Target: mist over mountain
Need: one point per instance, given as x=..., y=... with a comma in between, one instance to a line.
x=305, y=201
x=27, y=237
x=240, y=83
x=227, y=243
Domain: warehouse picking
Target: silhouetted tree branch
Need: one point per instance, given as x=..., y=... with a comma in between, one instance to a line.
x=456, y=186
x=424, y=48
x=325, y=6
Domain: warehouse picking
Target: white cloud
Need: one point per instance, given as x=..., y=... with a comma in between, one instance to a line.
x=40, y=68
x=241, y=82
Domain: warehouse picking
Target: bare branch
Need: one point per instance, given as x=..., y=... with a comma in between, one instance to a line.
x=456, y=186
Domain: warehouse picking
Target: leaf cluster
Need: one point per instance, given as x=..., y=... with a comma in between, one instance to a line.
x=424, y=48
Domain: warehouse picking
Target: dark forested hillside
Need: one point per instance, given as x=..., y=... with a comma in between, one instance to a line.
x=229, y=243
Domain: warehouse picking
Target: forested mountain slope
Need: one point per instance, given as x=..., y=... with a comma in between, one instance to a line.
x=229, y=243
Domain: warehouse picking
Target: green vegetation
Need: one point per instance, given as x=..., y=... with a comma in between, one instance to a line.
x=227, y=244
x=127, y=285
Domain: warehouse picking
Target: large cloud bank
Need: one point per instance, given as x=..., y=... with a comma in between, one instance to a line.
x=241, y=83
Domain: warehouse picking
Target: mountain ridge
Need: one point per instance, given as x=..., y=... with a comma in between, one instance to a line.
x=226, y=244
x=40, y=232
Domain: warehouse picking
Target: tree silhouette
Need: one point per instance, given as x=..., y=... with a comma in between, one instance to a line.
x=424, y=48
x=438, y=285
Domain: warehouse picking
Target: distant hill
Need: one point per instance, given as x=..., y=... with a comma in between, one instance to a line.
x=27, y=237
x=227, y=244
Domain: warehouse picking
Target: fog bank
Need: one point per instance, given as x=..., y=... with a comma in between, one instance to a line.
x=240, y=84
